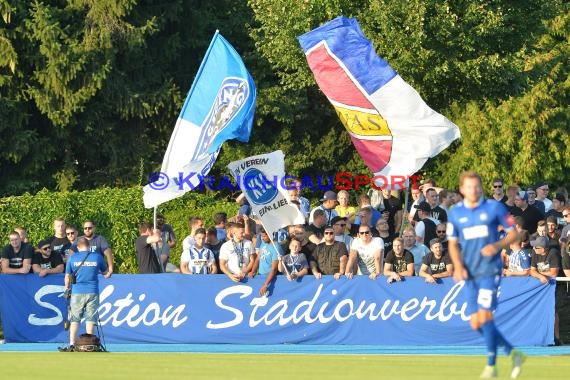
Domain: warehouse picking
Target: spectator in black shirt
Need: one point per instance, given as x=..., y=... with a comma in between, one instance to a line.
x=17, y=256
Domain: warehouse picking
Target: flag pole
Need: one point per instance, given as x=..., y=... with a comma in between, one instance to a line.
x=405, y=210
x=275, y=246
x=154, y=219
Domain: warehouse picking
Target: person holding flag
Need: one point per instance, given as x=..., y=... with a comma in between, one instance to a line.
x=266, y=259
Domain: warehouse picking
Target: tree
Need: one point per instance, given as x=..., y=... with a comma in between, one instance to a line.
x=523, y=139
x=449, y=51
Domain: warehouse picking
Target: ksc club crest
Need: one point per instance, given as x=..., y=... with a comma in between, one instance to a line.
x=230, y=99
x=258, y=190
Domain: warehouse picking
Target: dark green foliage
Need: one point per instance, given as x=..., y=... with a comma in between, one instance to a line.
x=90, y=89
x=116, y=213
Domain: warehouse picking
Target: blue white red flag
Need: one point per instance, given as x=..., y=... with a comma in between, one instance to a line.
x=220, y=106
x=392, y=128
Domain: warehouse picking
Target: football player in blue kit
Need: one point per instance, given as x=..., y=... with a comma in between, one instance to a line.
x=474, y=248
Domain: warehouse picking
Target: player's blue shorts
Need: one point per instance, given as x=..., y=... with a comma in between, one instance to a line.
x=482, y=293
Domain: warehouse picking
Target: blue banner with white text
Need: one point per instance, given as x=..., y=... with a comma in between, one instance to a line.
x=175, y=308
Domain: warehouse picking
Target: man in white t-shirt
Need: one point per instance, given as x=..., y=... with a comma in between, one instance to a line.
x=367, y=252
x=237, y=255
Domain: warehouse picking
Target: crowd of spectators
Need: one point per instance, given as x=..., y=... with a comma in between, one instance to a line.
x=378, y=236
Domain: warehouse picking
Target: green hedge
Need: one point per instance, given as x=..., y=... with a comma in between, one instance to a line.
x=116, y=212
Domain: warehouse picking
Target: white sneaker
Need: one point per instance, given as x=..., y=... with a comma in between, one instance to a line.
x=489, y=372
x=518, y=359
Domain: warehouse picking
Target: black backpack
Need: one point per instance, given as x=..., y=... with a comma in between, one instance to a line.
x=89, y=343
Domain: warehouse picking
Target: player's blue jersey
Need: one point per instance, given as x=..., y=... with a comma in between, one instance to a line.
x=476, y=227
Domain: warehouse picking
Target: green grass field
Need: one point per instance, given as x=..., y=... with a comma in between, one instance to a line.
x=165, y=366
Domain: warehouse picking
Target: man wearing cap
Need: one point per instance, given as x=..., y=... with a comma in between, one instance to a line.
x=329, y=257
x=426, y=226
x=544, y=261
x=530, y=214
x=544, y=265
x=45, y=261
x=328, y=206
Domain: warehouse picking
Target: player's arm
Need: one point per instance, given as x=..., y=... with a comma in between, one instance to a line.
x=492, y=249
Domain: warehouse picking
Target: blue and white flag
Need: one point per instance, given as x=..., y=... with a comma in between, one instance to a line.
x=262, y=180
x=220, y=106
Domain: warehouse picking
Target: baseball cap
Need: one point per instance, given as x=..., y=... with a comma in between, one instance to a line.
x=44, y=243
x=541, y=241
x=424, y=206
x=329, y=196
